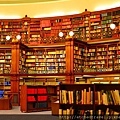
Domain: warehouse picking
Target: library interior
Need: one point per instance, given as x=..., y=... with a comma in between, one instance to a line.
x=68, y=64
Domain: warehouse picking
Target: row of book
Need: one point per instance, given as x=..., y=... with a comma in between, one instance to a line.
x=39, y=98
x=111, y=97
x=1, y=93
x=44, y=71
x=77, y=97
x=39, y=83
x=5, y=83
x=85, y=96
x=55, y=59
x=101, y=69
x=38, y=105
x=42, y=53
x=36, y=91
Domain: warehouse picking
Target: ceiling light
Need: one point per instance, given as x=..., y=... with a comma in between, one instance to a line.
x=18, y=37
x=25, y=23
x=7, y=37
x=71, y=33
x=60, y=34
x=112, y=26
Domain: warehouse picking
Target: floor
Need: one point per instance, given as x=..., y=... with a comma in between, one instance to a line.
x=16, y=110
x=16, y=114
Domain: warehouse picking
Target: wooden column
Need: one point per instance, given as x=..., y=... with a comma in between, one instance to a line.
x=15, y=73
x=69, y=60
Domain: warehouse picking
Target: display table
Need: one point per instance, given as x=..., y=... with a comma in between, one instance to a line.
x=5, y=104
x=55, y=108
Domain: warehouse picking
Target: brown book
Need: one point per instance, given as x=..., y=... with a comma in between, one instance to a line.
x=99, y=97
x=89, y=95
x=85, y=96
x=82, y=100
x=113, y=97
x=105, y=100
x=117, y=96
x=69, y=97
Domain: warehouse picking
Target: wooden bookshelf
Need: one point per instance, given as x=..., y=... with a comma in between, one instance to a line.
x=96, y=99
x=79, y=57
x=50, y=81
x=5, y=69
x=46, y=60
x=37, y=98
x=101, y=57
x=5, y=86
x=39, y=80
x=5, y=60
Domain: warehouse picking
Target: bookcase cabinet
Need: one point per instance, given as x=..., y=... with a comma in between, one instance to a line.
x=5, y=69
x=5, y=60
x=37, y=98
x=46, y=60
x=93, y=99
x=5, y=86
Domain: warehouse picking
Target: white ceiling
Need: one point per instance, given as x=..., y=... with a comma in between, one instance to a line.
x=46, y=8
x=23, y=1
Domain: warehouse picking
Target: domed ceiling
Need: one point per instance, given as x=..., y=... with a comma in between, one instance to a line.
x=14, y=9
x=23, y=1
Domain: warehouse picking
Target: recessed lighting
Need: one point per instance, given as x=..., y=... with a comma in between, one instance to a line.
x=71, y=33
x=18, y=37
x=60, y=34
x=116, y=78
x=7, y=37
x=112, y=26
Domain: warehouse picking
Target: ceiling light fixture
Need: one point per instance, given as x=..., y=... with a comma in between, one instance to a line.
x=71, y=33
x=18, y=37
x=60, y=34
x=112, y=26
x=7, y=37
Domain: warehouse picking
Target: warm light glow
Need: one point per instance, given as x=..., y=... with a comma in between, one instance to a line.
x=57, y=13
x=98, y=78
x=95, y=82
x=38, y=9
x=71, y=33
x=107, y=6
x=18, y=37
x=9, y=17
x=112, y=26
x=114, y=82
x=60, y=13
x=104, y=82
x=7, y=37
x=116, y=78
x=73, y=12
x=60, y=34
x=25, y=23
x=50, y=14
